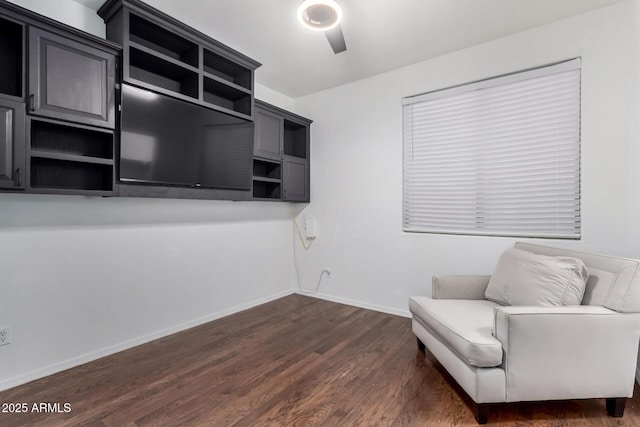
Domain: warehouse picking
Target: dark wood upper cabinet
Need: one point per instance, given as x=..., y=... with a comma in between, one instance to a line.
x=57, y=106
x=268, y=134
x=12, y=144
x=281, y=154
x=296, y=180
x=69, y=80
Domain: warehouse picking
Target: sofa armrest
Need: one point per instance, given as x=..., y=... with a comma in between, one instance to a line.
x=567, y=352
x=459, y=287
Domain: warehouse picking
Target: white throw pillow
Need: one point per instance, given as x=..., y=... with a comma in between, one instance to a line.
x=525, y=278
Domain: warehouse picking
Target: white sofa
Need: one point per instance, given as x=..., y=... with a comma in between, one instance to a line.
x=503, y=353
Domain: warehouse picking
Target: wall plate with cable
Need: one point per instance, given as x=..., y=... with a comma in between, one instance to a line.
x=311, y=228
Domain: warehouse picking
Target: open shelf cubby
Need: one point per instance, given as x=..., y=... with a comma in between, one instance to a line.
x=153, y=70
x=266, y=190
x=11, y=58
x=163, y=41
x=70, y=157
x=228, y=70
x=70, y=175
x=295, y=139
x=77, y=141
x=226, y=96
x=266, y=169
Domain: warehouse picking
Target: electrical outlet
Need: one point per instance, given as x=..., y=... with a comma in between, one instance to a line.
x=5, y=336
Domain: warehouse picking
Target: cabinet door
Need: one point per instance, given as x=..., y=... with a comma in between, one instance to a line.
x=295, y=180
x=12, y=153
x=268, y=135
x=69, y=80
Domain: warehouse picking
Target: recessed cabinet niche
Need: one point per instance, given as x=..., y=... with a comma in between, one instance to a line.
x=11, y=58
x=267, y=179
x=74, y=158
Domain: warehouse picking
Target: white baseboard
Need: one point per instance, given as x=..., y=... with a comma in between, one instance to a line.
x=356, y=303
x=88, y=357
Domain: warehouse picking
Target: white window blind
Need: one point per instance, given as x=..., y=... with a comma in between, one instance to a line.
x=496, y=157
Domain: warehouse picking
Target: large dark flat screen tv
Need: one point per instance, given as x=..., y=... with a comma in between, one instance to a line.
x=171, y=142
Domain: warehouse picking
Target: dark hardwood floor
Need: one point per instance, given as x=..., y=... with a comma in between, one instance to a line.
x=294, y=361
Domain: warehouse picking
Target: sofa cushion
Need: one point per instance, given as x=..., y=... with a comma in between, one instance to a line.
x=613, y=281
x=527, y=279
x=464, y=325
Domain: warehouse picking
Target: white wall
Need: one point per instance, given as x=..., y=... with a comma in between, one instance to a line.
x=67, y=12
x=356, y=169
x=634, y=154
x=82, y=277
x=272, y=97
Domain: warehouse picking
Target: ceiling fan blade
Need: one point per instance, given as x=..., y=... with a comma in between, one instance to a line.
x=336, y=39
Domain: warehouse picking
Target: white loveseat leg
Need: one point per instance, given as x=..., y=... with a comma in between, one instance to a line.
x=480, y=411
x=615, y=406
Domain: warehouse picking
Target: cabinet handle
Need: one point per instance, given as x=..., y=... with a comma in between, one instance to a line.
x=32, y=102
x=18, y=177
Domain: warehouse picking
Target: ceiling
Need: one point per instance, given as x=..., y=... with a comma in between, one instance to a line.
x=381, y=35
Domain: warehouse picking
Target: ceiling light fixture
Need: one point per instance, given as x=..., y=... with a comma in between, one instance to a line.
x=320, y=15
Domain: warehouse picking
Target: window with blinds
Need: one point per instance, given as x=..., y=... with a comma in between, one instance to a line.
x=496, y=157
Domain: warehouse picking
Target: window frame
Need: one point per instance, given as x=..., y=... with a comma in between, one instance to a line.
x=574, y=232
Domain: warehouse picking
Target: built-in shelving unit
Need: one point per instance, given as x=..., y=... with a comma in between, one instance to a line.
x=57, y=106
x=59, y=99
x=281, y=155
x=166, y=56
